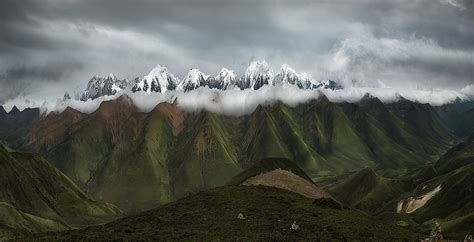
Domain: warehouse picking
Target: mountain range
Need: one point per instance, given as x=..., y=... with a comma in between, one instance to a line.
x=401, y=162
x=138, y=160
x=161, y=80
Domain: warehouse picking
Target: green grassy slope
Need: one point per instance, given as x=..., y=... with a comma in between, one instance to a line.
x=269, y=214
x=336, y=137
x=14, y=223
x=33, y=187
x=390, y=133
x=124, y=159
x=453, y=205
x=203, y=157
x=366, y=190
x=425, y=124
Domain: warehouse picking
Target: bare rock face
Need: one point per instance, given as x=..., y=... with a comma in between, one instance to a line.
x=287, y=180
x=103, y=86
x=411, y=204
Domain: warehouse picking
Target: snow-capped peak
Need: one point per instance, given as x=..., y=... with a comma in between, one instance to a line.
x=226, y=75
x=288, y=76
x=258, y=73
x=103, y=86
x=327, y=84
x=224, y=80
x=194, y=79
x=159, y=79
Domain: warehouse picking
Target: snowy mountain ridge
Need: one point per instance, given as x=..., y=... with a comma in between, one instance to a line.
x=161, y=80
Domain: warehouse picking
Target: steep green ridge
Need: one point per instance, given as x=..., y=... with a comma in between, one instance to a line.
x=366, y=190
x=267, y=165
x=458, y=117
x=456, y=157
x=204, y=157
x=34, y=193
x=15, y=223
x=124, y=159
x=318, y=136
x=341, y=146
x=393, y=137
x=268, y=215
x=424, y=122
x=262, y=138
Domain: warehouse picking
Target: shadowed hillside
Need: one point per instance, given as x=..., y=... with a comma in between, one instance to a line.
x=35, y=196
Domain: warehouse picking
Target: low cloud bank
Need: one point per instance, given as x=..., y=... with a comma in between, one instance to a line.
x=241, y=102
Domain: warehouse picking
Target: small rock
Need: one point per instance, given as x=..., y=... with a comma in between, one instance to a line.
x=241, y=216
x=295, y=226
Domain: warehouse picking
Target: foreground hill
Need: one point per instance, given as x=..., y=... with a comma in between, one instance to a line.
x=280, y=173
x=272, y=200
x=266, y=214
x=35, y=196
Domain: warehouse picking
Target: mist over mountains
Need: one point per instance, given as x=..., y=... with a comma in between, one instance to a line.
x=231, y=93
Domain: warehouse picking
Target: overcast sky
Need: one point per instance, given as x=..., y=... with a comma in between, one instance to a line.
x=51, y=46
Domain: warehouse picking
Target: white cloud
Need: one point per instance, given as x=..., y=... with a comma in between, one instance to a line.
x=454, y=3
x=241, y=102
x=410, y=62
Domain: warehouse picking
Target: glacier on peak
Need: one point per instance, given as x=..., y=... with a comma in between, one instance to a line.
x=258, y=73
x=159, y=79
x=224, y=80
x=194, y=79
x=103, y=86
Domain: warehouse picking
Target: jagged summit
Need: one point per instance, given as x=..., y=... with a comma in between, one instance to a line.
x=327, y=84
x=288, y=76
x=103, y=86
x=14, y=110
x=160, y=79
x=66, y=96
x=225, y=79
x=258, y=73
x=194, y=79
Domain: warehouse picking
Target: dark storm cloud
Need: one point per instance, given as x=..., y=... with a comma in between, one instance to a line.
x=18, y=77
x=392, y=41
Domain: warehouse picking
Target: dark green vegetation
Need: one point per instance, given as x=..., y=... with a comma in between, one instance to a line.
x=35, y=196
x=269, y=214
